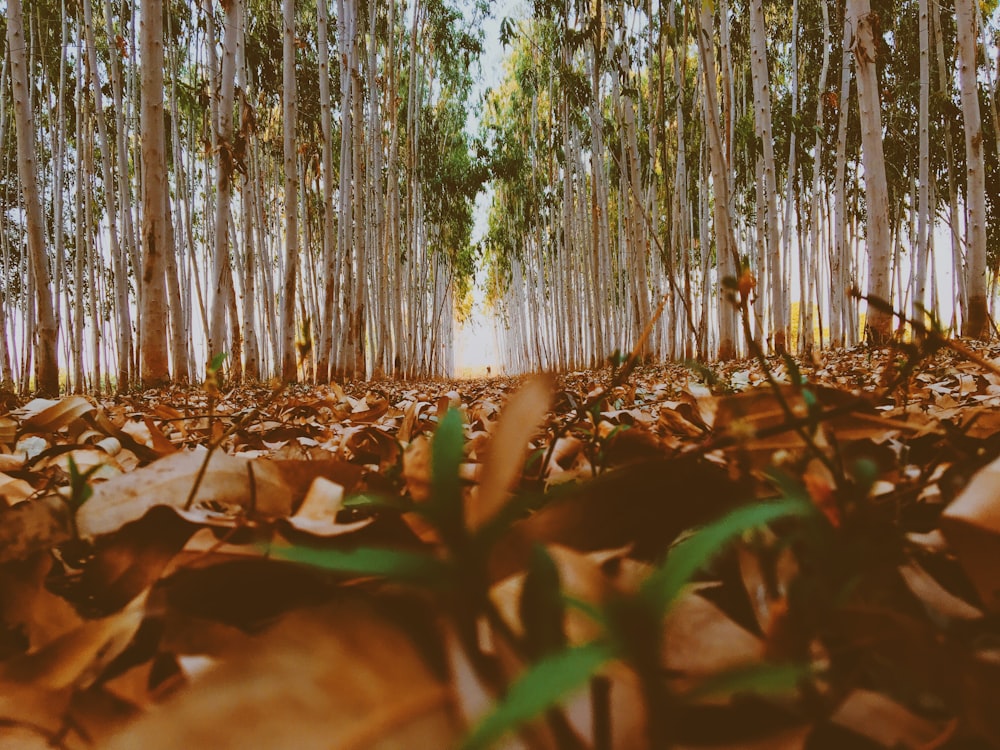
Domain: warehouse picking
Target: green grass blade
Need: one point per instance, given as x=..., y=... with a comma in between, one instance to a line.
x=759, y=679
x=397, y=565
x=444, y=509
x=540, y=688
x=666, y=583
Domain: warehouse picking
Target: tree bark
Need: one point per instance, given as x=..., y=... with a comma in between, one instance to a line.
x=46, y=331
x=878, y=326
x=288, y=93
x=976, y=323
x=154, y=368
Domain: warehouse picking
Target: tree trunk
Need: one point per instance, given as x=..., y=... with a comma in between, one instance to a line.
x=725, y=250
x=879, y=322
x=288, y=368
x=762, y=121
x=925, y=223
x=46, y=331
x=154, y=368
x=976, y=323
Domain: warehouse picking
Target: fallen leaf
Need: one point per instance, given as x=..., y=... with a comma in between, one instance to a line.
x=518, y=422
x=335, y=677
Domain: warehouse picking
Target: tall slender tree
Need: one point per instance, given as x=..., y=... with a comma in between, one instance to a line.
x=864, y=23
x=46, y=333
x=976, y=323
x=154, y=360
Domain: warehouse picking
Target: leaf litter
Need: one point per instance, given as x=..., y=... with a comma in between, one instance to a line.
x=670, y=556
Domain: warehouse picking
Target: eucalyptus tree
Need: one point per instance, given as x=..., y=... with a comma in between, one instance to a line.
x=225, y=167
x=154, y=358
x=725, y=248
x=288, y=108
x=46, y=332
x=762, y=124
x=863, y=23
x=976, y=323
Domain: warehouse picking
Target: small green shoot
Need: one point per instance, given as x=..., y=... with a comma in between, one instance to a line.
x=445, y=509
x=542, y=609
x=663, y=587
x=392, y=564
x=79, y=489
x=541, y=687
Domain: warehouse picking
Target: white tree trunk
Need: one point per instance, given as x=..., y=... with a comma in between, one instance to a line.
x=879, y=322
x=154, y=367
x=288, y=363
x=762, y=122
x=976, y=323
x=46, y=331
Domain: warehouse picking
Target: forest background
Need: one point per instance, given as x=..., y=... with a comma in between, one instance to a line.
x=265, y=189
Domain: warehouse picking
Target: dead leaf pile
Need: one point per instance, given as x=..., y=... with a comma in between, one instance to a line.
x=381, y=565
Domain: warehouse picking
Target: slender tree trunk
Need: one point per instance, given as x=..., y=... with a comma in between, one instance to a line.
x=925, y=223
x=879, y=322
x=331, y=264
x=47, y=333
x=725, y=251
x=976, y=323
x=762, y=120
x=288, y=368
x=841, y=332
x=225, y=164
x=154, y=369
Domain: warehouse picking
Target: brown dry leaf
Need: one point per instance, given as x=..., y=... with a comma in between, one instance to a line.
x=646, y=505
x=232, y=490
x=29, y=609
x=749, y=417
x=519, y=420
x=767, y=570
x=972, y=526
x=366, y=412
x=318, y=513
x=133, y=559
x=31, y=716
x=75, y=659
x=46, y=415
x=12, y=461
x=881, y=719
x=158, y=440
x=417, y=468
x=8, y=431
x=700, y=640
x=371, y=445
x=335, y=677
x=935, y=596
x=38, y=524
x=789, y=739
x=580, y=577
x=14, y=490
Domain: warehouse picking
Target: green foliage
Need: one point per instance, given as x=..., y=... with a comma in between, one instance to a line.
x=79, y=488
x=392, y=564
x=445, y=508
x=542, y=686
x=541, y=607
x=663, y=587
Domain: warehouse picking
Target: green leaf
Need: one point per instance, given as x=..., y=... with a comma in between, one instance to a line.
x=541, y=606
x=688, y=557
x=362, y=501
x=216, y=364
x=80, y=491
x=444, y=509
x=542, y=686
x=398, y=565
x=760, y=679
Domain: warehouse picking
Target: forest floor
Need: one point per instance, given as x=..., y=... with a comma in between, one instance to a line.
x=806, y=555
